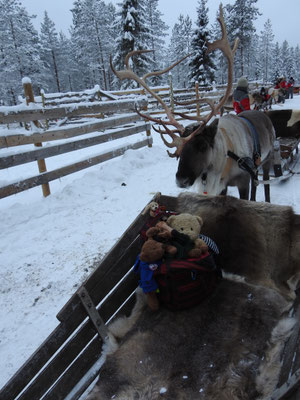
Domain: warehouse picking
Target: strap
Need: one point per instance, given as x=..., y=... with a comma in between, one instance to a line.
x=245, y=163
x=255, y=137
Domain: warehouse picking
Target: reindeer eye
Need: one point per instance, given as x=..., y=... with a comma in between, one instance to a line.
x=191, y=229
x=181, y=229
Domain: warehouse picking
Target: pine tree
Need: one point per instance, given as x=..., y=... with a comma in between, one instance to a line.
x=19, y=47
x=180, y=46
x=50, y=52
x=202, y=66
x=241, y=16
x=297, y=64
x=68, y=65
x=157, y=33
x=276, y=72
x=284, y=58
x=266, y=51
x=91, y=40
x=134, y=35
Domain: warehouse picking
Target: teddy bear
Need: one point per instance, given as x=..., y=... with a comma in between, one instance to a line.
x=189, y=225
x=156, y=245
x=178, y=237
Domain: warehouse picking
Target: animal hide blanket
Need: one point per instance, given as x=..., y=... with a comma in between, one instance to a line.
x=229, y=346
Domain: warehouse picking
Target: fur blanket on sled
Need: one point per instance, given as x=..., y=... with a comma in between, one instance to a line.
x=228, y=347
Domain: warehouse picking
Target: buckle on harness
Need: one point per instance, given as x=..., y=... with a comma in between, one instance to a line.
x=246, y=163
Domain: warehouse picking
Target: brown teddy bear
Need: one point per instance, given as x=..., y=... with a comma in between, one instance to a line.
x=156, y=245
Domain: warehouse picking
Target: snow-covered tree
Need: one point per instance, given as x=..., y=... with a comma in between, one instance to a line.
x=201, y=63
x=276, y=67
x=50, y=53
x=241, y=16
x=157, y=33
x=266, y=50
x=91, y=40
x=68, y=66
x=180, y=46
x=133, y=35
x=297, y=64
x=19, y=49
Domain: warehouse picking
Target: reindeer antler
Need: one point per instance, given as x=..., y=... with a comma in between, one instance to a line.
x=223, y=45
x=179, y=141
x=129, y=74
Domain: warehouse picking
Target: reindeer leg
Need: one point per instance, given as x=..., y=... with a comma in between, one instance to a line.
x=266, y=176
x=253, y=190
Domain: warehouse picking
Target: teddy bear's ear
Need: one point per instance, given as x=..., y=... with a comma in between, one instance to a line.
x=200, y=220
x=171, y=219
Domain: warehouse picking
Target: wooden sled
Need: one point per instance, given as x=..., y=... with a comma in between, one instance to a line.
x=67, y=362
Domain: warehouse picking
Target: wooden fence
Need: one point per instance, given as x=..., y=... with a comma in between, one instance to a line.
x=49, y=112
x=120, y=126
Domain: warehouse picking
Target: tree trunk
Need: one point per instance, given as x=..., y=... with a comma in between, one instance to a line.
x=101, y=55
x=16, y=48
x=55, y=70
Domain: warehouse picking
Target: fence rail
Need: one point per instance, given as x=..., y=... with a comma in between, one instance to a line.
x=114, y=125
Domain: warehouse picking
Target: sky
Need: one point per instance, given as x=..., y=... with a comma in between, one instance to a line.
x=284, y=16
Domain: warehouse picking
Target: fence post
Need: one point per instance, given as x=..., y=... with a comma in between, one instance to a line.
x=28, y=92
x=197, y=97
x=171, y=92
x=44, y=105
x=145, y=108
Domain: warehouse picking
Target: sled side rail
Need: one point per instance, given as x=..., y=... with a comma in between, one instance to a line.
x=75, y=344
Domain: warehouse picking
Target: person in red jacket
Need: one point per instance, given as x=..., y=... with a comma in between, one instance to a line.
x=283, y=87
x=240, y=96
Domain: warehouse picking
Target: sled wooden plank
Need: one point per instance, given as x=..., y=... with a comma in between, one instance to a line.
x=69, y=169
x=38, y=359
x=73, y=348
x=110, y=276
x=107, y=263
x=66, y=132
x=78, y=369
x=46, y=152
x=169, y=202
x=60, y=334
x=65, y=329
x=289, y=390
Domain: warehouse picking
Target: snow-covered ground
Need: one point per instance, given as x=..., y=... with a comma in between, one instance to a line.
x=49, y=246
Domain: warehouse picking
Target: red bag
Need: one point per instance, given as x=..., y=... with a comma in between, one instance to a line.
x=184, y=283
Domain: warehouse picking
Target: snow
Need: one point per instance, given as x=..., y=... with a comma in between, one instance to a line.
x=49, y=246
x=26, y=80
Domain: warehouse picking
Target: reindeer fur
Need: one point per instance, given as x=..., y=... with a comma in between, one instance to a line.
x=286, y=122
x=228, y=347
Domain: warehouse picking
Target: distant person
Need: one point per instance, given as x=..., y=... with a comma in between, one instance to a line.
x=290, y=87
x=283, y=87
x=240, y=98
x=266, y=98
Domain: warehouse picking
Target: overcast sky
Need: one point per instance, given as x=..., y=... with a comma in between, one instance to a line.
x=284, y=15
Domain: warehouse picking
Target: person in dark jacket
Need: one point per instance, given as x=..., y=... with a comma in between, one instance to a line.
x=240, y=98
x=290, y=87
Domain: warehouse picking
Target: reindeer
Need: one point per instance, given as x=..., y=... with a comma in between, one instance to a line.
x=218, y=155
